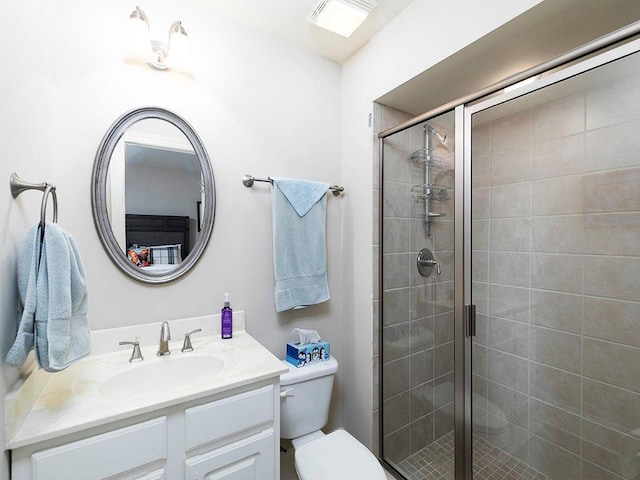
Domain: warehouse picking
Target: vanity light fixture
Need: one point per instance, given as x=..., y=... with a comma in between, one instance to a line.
x=174, y=55
x=341, y=16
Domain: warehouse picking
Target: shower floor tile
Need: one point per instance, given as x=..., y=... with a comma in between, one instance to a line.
x=435, y=462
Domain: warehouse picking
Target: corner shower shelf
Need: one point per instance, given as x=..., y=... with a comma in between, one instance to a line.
x=430, y=191
x=426, y=157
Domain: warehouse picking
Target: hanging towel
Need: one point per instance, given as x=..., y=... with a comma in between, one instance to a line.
x=61, y=335
x=299, y=242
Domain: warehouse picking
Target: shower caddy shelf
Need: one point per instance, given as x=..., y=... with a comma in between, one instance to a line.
x=431, y=194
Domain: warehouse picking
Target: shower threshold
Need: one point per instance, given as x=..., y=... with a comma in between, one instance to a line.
x=435, y=462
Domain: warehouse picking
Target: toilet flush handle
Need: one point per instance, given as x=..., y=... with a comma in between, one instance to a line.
x=286, y=393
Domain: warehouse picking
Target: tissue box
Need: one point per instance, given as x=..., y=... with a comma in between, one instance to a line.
x=301, y=355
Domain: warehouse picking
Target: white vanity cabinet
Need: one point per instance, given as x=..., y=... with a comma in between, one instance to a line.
x=229, y=435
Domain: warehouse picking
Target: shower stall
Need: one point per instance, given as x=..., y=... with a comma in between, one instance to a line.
x=509, y=292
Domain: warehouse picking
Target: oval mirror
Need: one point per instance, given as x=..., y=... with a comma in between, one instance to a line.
x=153, y=195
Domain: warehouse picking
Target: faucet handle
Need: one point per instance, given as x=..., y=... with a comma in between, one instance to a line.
x=186, y=346
x=165, y=333
x=136, y=354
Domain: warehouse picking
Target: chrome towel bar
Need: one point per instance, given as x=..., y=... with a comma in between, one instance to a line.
x=247, y=181
x=18, y=185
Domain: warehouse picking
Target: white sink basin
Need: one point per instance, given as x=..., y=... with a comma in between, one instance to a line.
x=148, y=378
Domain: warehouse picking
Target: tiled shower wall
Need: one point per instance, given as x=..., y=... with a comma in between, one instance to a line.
x=417, y=330
x=556, y=250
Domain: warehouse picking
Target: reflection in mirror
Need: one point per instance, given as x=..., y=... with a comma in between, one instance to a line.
x=153, y=195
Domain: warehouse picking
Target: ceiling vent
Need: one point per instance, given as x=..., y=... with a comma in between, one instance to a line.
x=341, y=16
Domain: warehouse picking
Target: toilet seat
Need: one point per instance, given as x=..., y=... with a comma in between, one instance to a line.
x=337, y=456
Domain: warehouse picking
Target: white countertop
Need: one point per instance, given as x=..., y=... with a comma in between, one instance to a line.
x=48, y=405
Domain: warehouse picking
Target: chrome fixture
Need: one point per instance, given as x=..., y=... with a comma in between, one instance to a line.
x=247, y=181
x=136, y=354
x=18, y=185
x=186, y=346
x=165, y=336
x=432, y=194
x=174, y=55
x=426, y=262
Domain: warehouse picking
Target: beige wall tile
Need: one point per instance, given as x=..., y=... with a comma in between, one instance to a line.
x=422, y=335
x=396, y=375
x=507, y=302
x=511, y=200
x=443, y=421
x=555, y=386
x=396, y=306
x=395, y=341
x=613, y=103
x=480, y=234
x=593, y=472
x=560, y=157
x=508, y=370
x=481, y=140
x=421, y=367
x=555, y=425
x=397, y=445
x=561, y=311
x=608, y=404
x=479, y=359
x=610, y=449
x=443, y=359
x=510, y=234
x=395, y=236
x=511, y=439
x=509, y=268
x=553, y=461
x=508, y=403
x=396, y=413
x=509, y=336
x=376, y=217
x=395, y=270
x=397, y=200
x=395, y=161
x=614, y=277
x=480, y=266
x=480, y=296
x=422, y=301
x=511, y=167
x=560, y=273
x=558, y=349
x=481, y=171
x=443, y=326
x=612, y=320
x=443, y=390
x=560, y=118
x=558, y=196
x=612, y=191
x=612, y=147
x=612, y=234
x=511, y=132
x=563, y=234
x=612, y=363
x=421, y=433
x=480, y=203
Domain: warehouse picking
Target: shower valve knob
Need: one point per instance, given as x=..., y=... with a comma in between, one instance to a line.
x=426, y=262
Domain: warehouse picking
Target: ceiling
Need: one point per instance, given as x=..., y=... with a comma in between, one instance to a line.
x=287, y=19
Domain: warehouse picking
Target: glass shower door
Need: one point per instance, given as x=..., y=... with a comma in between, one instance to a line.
x=417, y=301
x=556, y=275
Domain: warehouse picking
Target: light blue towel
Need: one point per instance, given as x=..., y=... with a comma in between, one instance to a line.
x=299, y=242
x=58, y=303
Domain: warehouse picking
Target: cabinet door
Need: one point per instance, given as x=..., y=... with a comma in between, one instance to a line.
x=106, y=455
x=252, y=458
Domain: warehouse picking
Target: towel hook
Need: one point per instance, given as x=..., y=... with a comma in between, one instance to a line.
x=18, y=185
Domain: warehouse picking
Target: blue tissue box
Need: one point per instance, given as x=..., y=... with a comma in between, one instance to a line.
x=302, y=355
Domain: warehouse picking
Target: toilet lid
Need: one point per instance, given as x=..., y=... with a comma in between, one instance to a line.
x=337, y=456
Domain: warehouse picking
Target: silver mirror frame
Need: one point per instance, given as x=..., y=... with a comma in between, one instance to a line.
x=99, y=188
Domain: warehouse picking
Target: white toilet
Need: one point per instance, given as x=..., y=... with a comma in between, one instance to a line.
x=305, y=395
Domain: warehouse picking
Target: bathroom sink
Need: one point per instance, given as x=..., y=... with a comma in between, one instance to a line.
x=161, y=375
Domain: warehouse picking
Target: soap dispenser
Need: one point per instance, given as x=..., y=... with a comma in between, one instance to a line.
x=227, y=318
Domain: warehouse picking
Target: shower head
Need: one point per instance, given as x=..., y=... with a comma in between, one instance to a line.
x=441, y=137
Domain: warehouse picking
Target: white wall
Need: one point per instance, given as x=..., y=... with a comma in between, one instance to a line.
x=260, y=106
x=424, y=34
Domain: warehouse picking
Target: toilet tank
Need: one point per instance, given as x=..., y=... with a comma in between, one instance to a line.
x=305, y=396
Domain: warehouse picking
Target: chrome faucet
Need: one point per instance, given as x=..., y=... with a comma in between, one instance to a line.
x=165, y=336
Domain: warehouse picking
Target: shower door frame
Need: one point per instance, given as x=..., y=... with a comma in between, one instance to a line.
x=628, y=43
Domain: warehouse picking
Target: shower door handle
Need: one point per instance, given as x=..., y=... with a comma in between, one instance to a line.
x=470, y=320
